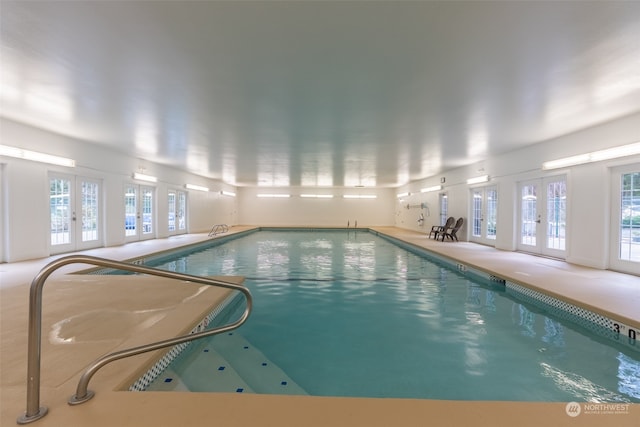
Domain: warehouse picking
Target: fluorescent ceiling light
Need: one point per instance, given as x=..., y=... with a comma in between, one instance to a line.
x=36, y=156
x=275, y=196
x=228, y=193
x=359, y=196
x=143, y=177
x=478, y=179
x=595, y=156
x=317, y=196
x=434, y=188
x=196, y=187
x=399, y=195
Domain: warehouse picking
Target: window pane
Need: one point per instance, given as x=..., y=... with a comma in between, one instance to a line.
x=492, y=212
x=529, y=215
x=172, y=210
x=182, y=209
x=444, y=208
x=59, y=200
x=147, y=211
x=476, y=229
x=89, y=211
x=556, y=214
x=130, y=211
x=629, y=241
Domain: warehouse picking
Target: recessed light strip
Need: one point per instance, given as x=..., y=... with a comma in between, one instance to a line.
x=360, y=196
x=228, y=193
x=274, y=196
x=478, y=179
x=144, y=177
x=429, y=189
x=36, y=156
x=317, y=196
x=594, y=156
x=196, y=187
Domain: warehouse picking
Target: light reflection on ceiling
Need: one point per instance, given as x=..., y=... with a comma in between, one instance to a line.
x=318, y=94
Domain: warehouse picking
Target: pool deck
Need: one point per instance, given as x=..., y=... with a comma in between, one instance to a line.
x=86, y=316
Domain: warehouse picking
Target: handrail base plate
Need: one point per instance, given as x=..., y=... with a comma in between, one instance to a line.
x=74, y=400
x=24, y=419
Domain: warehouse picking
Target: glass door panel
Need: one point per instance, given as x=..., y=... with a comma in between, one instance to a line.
x=131, y=211
x=88, y=228
x=556, y=215
x=625, y=219
x=476, y=213
x=182, y=212
x=529, y=218
x=492, y=213
x=147, y=211
x=171, y=208
x=60, y=214
x=629, y=219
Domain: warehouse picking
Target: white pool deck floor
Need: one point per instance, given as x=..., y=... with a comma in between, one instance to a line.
x=85, y=317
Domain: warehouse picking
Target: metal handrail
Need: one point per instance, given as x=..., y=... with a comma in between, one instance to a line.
x=218, y=229
x=34, y=410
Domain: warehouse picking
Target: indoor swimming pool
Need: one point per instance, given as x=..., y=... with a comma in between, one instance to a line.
x=344, y=313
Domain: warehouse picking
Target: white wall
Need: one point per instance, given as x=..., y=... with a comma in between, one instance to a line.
x=298, y=211
x=588, y=185
x=26, y=193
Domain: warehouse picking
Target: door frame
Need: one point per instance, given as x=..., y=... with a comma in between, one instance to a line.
x=540, y=222
x=615, y=262
x=75, y=226
x=484, y=237
x=139, y=216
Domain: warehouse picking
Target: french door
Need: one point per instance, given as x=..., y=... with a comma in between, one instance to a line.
x=74, y=207
x=139, y=212
x=625, y=219
x=177, y=208
x=543, y=214
x=484, y=215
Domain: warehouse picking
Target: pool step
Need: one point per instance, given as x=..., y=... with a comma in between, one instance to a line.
x=262, y=375
x=228, y=363
x=204, y=371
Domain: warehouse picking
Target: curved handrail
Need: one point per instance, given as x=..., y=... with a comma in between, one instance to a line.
x=34, y=411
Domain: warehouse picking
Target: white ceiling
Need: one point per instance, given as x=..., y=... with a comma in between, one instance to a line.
x=318, y=93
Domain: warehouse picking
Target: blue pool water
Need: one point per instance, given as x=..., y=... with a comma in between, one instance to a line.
x=352, y=314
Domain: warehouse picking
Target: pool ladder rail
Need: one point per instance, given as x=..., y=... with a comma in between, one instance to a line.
x=218, y=229
x=34, y=411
